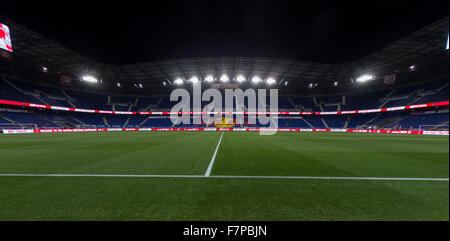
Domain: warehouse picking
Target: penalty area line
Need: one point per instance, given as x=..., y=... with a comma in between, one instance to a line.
x=231, y=177
x=213, y=158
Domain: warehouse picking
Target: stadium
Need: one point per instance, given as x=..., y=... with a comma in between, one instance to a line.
x=364, y=139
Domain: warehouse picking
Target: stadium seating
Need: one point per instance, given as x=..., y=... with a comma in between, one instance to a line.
x=33, y=93
x=28, y=92
x=415, y=121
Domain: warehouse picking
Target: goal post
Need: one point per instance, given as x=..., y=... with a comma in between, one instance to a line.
x=21, y=126
x=85, y=126
x=433, y=127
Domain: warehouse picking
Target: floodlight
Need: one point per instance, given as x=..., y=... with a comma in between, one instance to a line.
x=240, y=78
x=270, y=81
x=412, y=67
x=193, y=80
x=335, y=83
x=209, y=78
x=224, y=78
x=44, y=69
x=118, y=84
x=178, y=81
x=256, y=79
x=89, y=79
x=364, y=78
x=446, y=47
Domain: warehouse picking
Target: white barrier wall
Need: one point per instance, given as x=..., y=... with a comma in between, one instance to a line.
x=415, y=132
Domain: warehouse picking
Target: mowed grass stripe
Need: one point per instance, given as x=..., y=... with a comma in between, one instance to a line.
x=333, y=154
x=72, y=198
x=183, y=153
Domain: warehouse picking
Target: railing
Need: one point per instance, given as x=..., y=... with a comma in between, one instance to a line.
x=398, y=108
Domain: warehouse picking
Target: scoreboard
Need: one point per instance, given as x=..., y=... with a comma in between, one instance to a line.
x=5, y=38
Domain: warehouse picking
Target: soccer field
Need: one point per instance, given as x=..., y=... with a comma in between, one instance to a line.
x=165, y=176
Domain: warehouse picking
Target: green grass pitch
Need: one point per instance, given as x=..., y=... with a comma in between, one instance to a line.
x=239, y=154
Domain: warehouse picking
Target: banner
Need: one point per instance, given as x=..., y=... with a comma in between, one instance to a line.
x=40, y=106
x=221, y=86
x=390, y=79
x=65, y=80
x=412, y=132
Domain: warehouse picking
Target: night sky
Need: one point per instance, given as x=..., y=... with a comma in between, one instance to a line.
x=123, y=32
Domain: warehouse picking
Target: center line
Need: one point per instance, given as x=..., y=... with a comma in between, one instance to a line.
x=211, y=163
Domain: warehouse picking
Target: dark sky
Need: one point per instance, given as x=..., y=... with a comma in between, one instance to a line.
x=122, y=32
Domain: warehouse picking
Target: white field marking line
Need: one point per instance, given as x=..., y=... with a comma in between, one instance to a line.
x=230, y=177
x=213, y=158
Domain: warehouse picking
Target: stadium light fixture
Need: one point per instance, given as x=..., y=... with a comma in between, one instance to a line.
x=412, y=67
x=164, y=83
x=271, y=81
x=256, y=79
x=89, y=79
x=140, y=86
x=285, y=83
x=224, y=78
x=446, y=46
x=335, y=84
x=178, y=81
x=118, y=85
x=365, y=78
x=311, y=85
x=240, y=78
x=44, y=69
x=193, y=80
x=209, y=78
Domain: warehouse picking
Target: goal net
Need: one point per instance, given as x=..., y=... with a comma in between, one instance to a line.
x=433, y=128
x=12, y=126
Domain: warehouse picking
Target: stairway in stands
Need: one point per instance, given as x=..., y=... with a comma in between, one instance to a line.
x=389, y=121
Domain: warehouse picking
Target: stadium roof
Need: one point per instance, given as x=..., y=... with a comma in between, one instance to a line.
x=33, y=49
